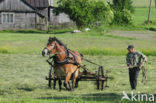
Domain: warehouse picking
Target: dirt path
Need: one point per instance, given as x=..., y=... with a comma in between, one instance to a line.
x=148, y=35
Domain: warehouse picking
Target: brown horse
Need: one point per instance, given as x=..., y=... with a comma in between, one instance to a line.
x=66, y=62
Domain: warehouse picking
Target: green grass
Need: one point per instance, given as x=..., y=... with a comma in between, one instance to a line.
x=23, y=69
x=139, y=18
x=92, y=43
x=22, y=81
x=141, y=15
x=143, y=3
x=52, y=31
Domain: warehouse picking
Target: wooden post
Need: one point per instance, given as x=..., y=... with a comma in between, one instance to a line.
x=35, y=20
x=48, y=19
x=155, y=3
x=149, y=14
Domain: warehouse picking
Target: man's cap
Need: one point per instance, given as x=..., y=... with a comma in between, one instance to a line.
x=130, y=46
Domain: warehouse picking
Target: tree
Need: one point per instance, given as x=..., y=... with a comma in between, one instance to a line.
x=85, y=12
x=123, y=4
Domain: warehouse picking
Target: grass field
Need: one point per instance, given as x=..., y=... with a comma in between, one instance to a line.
x=22, y=79
x=141, y=15
x=93, y=43
x=143, y=3
x=23, y=69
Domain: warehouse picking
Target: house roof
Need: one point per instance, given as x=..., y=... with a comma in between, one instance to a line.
x=1, y=1
x=37, y=3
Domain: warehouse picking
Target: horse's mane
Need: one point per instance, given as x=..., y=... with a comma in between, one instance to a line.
x=51, y=39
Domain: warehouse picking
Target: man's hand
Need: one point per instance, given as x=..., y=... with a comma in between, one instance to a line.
x=142, y=64
x=130, y=66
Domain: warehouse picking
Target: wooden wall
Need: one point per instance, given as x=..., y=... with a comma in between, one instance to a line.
x=21, y=21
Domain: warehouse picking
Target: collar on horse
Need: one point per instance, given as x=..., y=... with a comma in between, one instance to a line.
x=67, y=58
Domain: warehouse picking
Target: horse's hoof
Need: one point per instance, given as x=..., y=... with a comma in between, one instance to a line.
x=65, y=84
x=76, y=87
x=69, y=89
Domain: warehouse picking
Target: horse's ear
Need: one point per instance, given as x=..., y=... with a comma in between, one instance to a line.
x=49, y=40
x=54, y=38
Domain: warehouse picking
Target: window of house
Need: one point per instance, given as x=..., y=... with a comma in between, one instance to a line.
x=7, y=18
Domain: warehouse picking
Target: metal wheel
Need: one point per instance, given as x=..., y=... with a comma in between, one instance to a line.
x=106, y=79
x=100, y=74
x=50, y=76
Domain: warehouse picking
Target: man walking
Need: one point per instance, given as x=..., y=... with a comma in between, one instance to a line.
x=135, y=60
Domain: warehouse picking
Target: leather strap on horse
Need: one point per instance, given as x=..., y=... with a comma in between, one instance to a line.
x=65, y=61
x=90, y=62
x=87, y=60
x=73, y=54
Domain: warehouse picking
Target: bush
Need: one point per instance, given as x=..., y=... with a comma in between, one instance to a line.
x=123, y=11
x=85, y=12
x=102, y=12
x=122, y=17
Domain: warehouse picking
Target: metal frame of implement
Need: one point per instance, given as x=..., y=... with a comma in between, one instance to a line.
x=97, y=76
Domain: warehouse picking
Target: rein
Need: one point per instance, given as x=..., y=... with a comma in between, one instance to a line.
x=143, y=75
x=87, y=60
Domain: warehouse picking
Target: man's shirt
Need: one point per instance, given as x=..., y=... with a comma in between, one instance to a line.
x=135, y=59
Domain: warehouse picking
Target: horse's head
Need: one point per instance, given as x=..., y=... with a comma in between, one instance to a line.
x=51, y=47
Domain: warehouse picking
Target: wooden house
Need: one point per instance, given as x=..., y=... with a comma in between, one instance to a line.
x=23, y=14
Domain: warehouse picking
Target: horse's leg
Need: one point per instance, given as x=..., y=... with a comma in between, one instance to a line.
x=75, y=78
x=67, y=81
x=69, y=86
x=73, y=84
x=60, y=84
x=77, y=83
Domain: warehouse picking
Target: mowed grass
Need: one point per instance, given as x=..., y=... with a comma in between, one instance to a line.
x=23, y=69
x=92, y=43
x=22, y=80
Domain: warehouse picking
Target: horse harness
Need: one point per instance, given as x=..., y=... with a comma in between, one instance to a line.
x=67, y=58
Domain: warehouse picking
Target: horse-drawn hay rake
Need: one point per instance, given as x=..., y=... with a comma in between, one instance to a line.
x=99, y=76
